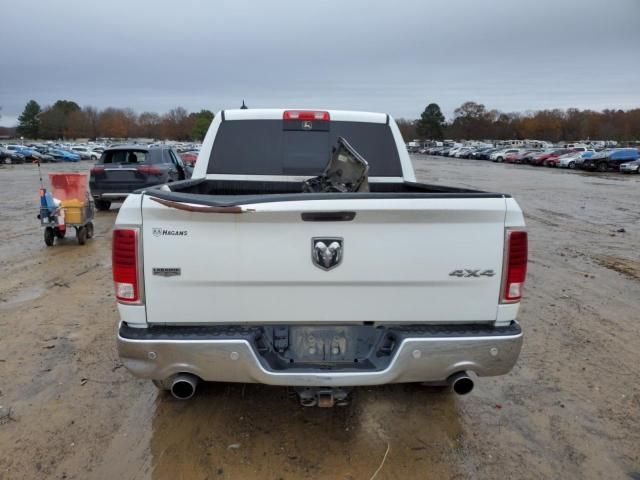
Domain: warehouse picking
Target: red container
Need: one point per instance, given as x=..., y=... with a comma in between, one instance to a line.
x=68, y=186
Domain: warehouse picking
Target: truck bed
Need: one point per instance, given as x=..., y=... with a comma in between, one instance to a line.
x=224, y=193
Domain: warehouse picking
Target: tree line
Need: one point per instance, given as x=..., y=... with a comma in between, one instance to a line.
x=473, y=121
x=65, y=119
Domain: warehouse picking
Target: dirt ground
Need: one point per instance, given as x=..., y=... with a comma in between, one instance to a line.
x=570, y=408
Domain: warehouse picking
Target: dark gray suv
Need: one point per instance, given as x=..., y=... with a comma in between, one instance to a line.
x=124, y=169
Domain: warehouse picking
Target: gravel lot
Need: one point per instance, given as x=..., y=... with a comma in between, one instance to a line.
x=570, y=408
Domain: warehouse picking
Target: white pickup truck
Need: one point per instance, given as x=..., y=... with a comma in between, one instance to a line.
x=238, y=275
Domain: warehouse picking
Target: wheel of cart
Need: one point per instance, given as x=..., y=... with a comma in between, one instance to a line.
x=81, y=234
x=49, y=235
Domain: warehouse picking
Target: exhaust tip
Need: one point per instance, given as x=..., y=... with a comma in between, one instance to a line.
x=183, y=387
x=461, y=383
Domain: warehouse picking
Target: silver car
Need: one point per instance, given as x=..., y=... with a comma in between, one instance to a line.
x=630, y=167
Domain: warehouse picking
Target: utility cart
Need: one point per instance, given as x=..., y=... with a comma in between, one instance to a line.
x=68, y=205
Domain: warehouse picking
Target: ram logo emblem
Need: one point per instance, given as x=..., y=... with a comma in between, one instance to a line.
x=327, y=252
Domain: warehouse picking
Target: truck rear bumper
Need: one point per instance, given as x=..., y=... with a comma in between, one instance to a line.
x=423, y=354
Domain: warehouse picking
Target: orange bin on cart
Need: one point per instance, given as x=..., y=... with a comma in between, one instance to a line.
x=69, y=186
x=71, y=190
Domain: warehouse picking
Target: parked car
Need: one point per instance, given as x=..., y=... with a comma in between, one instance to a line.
x=485, y=154
x=463, y=152
x=481, y=153
x=544, y=157
x=86, y=153
x=189, y=157
x=28, y=153
x=630, y=167
x=553, y=160
x=499, y=155
x=526, y=158
x=452, y=151
x=283, y=288
x=610, y=159
x=572, y=159
x=517, y=157
x=10, y=156
x=38, y=157
x=124, y=169
x=63, y=155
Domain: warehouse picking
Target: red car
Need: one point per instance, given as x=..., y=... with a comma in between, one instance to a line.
x=554, y=160
x=517, y=156
x=548, y=158
x=189, y=157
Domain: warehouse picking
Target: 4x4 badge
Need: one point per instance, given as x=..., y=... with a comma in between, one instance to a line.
x=466, y=273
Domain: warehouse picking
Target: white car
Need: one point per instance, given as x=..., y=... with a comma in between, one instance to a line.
x=298, y=269
x=499, y=155
x=463, y=151
x=86, y=153
x=573, y=159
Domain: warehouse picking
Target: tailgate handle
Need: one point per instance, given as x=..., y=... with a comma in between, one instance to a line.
x=328, y=216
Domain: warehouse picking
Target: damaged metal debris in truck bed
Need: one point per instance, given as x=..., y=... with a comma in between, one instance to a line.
x=346, y=172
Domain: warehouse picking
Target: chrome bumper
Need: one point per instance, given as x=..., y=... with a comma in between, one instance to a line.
x=423, y=359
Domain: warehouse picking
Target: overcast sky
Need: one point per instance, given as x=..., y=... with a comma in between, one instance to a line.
x=390, y=56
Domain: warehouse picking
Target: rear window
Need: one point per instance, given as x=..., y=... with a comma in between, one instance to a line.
x=265, y=147
x=124, y=156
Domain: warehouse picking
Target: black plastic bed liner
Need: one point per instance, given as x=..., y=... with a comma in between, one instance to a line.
x=228, y=193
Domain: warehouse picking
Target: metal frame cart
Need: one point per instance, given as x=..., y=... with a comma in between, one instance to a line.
x=68, y=206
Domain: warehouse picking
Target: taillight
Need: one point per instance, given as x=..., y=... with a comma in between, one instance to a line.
x=515, y=268
x=149, y=169
x=125, y=264
x=305, y=115
x=95, y=170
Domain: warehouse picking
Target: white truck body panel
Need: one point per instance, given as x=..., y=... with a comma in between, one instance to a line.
x=256, y=266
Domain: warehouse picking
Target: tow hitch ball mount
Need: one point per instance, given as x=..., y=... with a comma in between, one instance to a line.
x=323, y=397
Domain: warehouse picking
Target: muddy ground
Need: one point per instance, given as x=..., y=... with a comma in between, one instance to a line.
x=570, y=408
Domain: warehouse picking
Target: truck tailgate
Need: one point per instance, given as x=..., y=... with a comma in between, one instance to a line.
x=256, y=267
